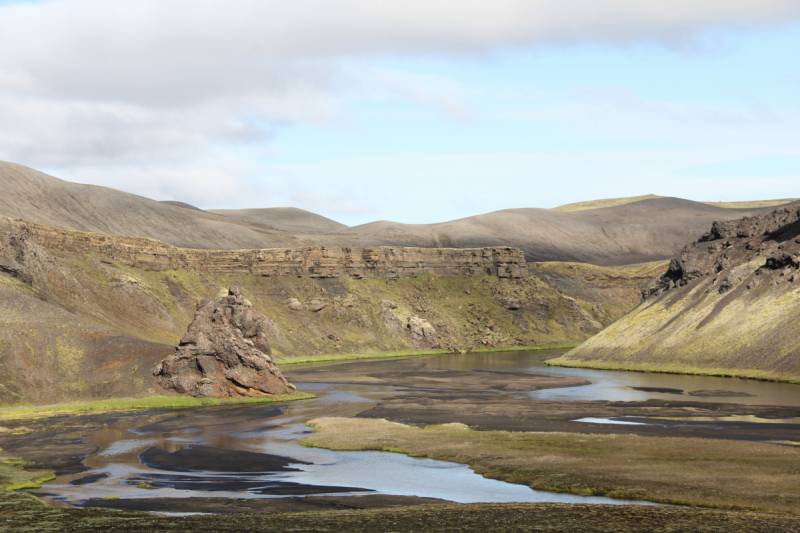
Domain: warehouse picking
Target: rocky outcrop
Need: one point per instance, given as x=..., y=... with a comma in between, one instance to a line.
x=224, y=353
x=767, y=237
x=423, y=334
x=386, y=262
x=729, y=304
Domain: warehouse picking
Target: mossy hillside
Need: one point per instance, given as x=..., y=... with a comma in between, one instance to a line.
x=92, y=328
x=157, y=306
x=696, y=329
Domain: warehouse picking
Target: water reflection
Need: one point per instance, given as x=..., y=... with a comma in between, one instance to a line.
x=116, y=470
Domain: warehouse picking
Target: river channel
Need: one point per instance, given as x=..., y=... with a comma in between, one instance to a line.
x=216, y=451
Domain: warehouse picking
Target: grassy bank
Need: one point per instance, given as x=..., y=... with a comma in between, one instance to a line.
x=698, y=472
x=652, y=368
x=133, y=404
x=16, y=474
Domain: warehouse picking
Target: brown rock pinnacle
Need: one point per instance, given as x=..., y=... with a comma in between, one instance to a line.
x=224, y=353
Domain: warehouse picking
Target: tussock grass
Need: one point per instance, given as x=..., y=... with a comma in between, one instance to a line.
x=683, y=471
x=132, y=404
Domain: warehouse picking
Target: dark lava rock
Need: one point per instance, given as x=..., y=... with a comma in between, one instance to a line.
x=717, y=253
x=224, y=353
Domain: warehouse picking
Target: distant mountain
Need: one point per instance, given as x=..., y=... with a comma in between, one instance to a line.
x=728, y=305
x=647, y=230
x=611, y=202
x=289, y=219
x=31, y=195
x=637, y=231
x=607, y=202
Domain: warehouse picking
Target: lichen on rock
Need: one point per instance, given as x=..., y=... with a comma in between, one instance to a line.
x=224, y=353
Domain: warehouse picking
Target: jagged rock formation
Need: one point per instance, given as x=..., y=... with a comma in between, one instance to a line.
x=423, y=335
x=315, y=261
x=729, y=304
x=224, y=353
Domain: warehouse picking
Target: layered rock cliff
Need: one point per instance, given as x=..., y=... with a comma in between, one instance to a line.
x=225, y=353
x=729, y=304
x=384, y=262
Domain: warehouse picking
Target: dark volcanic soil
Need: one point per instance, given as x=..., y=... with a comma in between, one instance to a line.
x=214, y=459
x=493, y=413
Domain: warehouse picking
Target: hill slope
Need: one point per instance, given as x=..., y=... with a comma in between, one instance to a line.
x=729, y=304
x=37, y=197
x=282, y=218
x=611, y=202
x=647, y=230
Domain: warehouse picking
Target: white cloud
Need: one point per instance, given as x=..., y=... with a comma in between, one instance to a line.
x=109, y=92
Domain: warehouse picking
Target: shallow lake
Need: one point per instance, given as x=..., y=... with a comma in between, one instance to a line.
x=179, y=453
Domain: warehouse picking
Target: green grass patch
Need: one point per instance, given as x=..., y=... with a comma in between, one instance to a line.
x=133, y=404
x=15, y=476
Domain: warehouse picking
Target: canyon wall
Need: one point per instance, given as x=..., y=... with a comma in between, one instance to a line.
x=384, y=262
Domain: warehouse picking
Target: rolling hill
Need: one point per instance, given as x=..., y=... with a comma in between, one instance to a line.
x=626, y=231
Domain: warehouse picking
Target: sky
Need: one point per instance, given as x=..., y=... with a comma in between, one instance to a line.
x=411, y=111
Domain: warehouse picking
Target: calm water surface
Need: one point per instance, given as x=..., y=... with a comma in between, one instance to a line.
x=387, y=473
